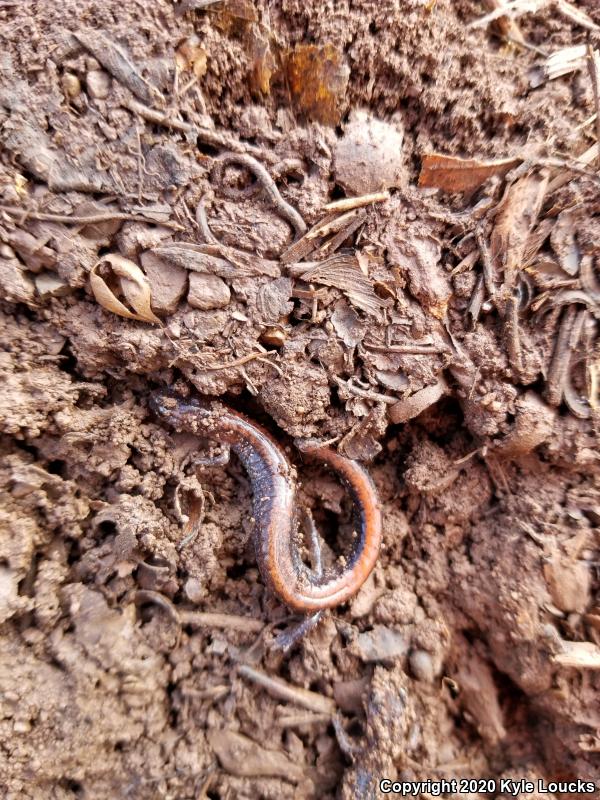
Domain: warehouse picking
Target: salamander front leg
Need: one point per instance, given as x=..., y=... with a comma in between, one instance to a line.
x=288, y=638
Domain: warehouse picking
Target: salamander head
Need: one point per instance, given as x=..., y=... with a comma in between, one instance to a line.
x=181, y=413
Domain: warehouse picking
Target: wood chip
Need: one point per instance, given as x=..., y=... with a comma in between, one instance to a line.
x=581, y=655
x=412, y=406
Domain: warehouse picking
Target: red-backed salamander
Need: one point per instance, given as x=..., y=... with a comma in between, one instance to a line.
x=274, y=491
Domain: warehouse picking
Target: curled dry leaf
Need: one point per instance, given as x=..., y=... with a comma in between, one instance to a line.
x=318, y=79
x=453, y=174
x=133, y=284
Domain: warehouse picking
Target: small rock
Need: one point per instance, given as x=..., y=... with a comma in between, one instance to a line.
x=380, y=644
x=22, y=726
x=98, y=84
x=275, y=337
x=421, y=666
x=273, y=300
x=207, y=291
x=368, y=158
x=48, y=284
x=167, y=167
x=569, y=582
x=71, y=85
x=348, y=695
x=167, y=282
x=194, y=590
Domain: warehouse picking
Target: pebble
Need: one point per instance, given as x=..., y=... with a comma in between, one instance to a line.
x=380, y=644
x=207, y=291
x=421, y=666
x=368, y=157
x=194, y=590
x=98, y=84
x=167, y=282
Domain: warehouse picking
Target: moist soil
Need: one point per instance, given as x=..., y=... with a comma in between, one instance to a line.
x=444, y=334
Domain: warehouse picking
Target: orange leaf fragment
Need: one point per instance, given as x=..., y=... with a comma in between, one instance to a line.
x=452, y=174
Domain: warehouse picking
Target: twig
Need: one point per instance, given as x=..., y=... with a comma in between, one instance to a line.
x=92, y=219
x=158, y=117
x=593, y=62
x=284, y=691
x=513, y=339
x=230, y=622
x=348, y=203
x=560, y=360
x=301, y=720
x=336, y=241
x=202, y=221
x=486, y=259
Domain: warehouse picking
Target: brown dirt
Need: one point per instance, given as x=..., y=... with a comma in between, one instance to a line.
x=454, y=659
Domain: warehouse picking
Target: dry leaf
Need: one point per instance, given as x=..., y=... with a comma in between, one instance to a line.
x=133, y=284
x=453, y=174
x=557, y=64
x=514, y=222
x=343, y=273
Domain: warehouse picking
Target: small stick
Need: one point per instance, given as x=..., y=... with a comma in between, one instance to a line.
x=281, y=690
x=202, y=220
x=158, y=117
x=513, y=339
x=92, y=219
x=407, y=349
x=230, y=622
x=348, y=203
x=300, y=720
x=336, y=241
x=328, y=225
